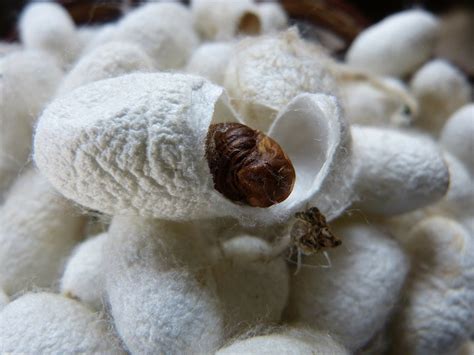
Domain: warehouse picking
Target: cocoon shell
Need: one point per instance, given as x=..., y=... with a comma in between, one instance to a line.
x=397, y=45
x=265, y=73
x=440, y=89
x=45, y=323
x=160, y=288
x=272, y=16
x=252, y=289
x=106, y=61
x=210, y=61
x=354, y=297
x=47, y=26
x=436, y=316
x=83, y=278
x=457, y=136
x=221, y=20
x=396, y=172
x=38, y=229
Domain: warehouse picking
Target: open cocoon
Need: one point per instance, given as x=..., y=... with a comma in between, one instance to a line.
x=210, y=61
x=160, y=287
x=354, y=297
x=221, y=20
x=39, y=323
x=265, y=73
x=83, y=277
x=396, y=172
x=437, y=312
x=397, y=45
x=106, y=61
x=38, y=229
x=252, y=288
x=457, y=136
x=440, y=89
x=47, y=26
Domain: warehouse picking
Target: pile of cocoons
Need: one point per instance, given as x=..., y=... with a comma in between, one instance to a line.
x=116, y=236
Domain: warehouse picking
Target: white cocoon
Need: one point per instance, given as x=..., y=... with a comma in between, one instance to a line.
x=272, y=16
x=221, y=20
x=265, y=73
x=437, y=312
x=83, y=278
x=210, y=61
x=160, y=287
x=45, y=323
x=457, y=136
x=107, y=61
x=289, y=341
x=3, y=299
x=163, y=30
x=396, y=172
x=397, y=45
x=253, y=289
x=47, y=26
x=38, y=229
x=440, y=89
x=354, y=297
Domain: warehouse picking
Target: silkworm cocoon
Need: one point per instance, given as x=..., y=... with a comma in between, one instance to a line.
x=3, y=299
x=440, y=89
x=354, y=297
x=83, y=278
x=457, y=136
x=40, y=323
x=265, y=73
x=163, y=30
x=210, y=61
x=222, y=20
x=160, y=287
x=253, y=290
x=38, y=229
x=272, y=16
x=47, y=26
x=294, y=340
x=396, y=172
x=107, y=61
x=397, y=45
x=436, y=316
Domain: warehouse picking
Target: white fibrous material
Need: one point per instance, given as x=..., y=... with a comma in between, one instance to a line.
x=45, y=323
x=222, y=20
x=28, y=79
x=38, y=229
x=210, y=61
x=354, y=297
x=163, y=30
x=397, y=45
x=105, y=33
x=252, y=287
x=160, y=288
x=3, y=299
x=272, y=16
x=396, y=172
x=265, y=73
x=437, y=310
x=47, y=26
x=83, y=278
x=440, y=89
x=107, y=61
x=293, y=340
x=457, y=136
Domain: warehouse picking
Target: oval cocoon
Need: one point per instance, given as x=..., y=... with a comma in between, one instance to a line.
x=210, y=61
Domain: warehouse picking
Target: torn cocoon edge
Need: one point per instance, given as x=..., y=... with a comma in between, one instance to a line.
x=38, y=229
x=265, y=73
x=47, y=26
x=397, y=45
x=440, y=89
x=437, y=312
x=39, y=323
x=253, y=289
x=367, y=270
x=396, y=172
x=160, y=287
x=83, y=277
x=210, y=61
